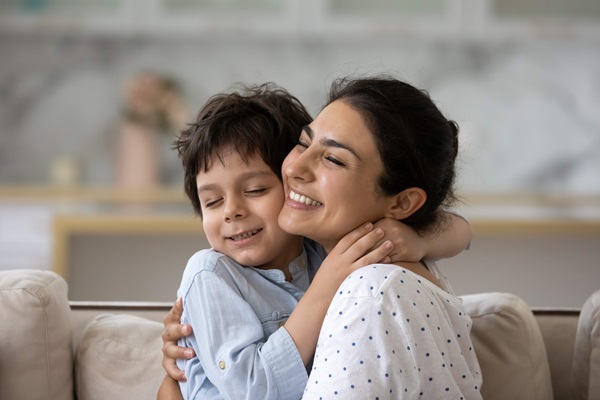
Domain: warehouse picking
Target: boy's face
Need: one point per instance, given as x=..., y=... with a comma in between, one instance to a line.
x=240, y=207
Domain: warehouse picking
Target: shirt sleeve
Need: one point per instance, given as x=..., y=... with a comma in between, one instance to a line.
x=231, y=352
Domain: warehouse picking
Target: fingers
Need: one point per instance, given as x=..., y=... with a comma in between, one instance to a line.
x=174, y=314
x=352, y=237
x=379, y=255
x=174, y=332
x=364, y=244
x=172, y=350
x=171, y=368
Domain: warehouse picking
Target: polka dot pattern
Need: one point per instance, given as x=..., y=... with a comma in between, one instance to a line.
x=391, y=334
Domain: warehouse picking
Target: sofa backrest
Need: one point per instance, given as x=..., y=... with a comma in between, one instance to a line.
x=36, y=358
x=509, y=347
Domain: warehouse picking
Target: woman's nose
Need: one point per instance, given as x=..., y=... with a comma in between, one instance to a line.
x=298, y=167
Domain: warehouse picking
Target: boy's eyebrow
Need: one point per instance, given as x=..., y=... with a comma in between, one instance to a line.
x=243, y=176
x=330, y=142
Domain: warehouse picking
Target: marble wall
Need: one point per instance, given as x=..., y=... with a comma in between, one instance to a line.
x=527, y=107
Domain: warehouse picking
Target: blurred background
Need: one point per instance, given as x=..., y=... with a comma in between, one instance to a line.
x=93, y=92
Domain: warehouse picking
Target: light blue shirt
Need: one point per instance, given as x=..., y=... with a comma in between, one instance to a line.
x=237, y=314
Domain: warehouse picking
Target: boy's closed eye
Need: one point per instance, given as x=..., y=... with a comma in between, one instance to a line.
x=212, y=203
x=256, y=191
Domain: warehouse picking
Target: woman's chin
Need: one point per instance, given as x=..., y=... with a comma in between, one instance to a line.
x=290, y=224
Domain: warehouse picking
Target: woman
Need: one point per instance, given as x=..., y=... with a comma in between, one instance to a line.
x=380, y=148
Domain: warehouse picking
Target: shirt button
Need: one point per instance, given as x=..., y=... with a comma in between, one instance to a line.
x=302, y=263
x=222, y=365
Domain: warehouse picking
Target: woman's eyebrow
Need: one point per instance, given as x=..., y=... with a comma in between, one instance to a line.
x=330, y=142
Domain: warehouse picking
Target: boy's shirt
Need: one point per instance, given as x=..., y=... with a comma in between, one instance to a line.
x=237, y=314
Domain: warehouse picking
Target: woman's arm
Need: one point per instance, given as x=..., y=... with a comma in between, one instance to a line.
x=305, y=321
x=169, y=390
x=351, y=253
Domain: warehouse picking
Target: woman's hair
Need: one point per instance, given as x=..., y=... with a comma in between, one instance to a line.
x=417, y=144
x=260, y=120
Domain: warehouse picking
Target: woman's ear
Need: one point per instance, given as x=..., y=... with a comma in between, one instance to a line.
x=405, y=203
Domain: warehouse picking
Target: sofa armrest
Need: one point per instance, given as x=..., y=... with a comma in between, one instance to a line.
x=586, y=357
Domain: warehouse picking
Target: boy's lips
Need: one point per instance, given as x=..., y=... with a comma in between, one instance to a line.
x=244, y=235
x=304, y=199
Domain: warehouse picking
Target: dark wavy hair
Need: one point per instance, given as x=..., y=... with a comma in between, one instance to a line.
x=417, y=144
x=262, y=119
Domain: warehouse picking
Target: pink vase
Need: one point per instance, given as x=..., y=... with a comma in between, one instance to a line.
x=138, y=157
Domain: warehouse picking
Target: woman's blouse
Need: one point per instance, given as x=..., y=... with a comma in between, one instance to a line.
x=391, y=334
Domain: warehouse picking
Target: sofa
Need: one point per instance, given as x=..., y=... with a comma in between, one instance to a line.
x=54, y=349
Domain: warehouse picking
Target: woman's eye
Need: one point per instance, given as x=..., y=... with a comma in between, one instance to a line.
x=302, y=144
x=335, y=161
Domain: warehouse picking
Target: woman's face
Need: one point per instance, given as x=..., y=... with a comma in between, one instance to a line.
x=330, y=178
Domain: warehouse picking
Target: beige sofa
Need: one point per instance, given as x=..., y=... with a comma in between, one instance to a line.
x=53, y=349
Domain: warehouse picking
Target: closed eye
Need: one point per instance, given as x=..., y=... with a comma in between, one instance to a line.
x=335, y=161
x=301, y=144
x=256, y=192
x=212, y=203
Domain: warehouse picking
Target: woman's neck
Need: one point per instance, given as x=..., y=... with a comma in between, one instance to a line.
x=420, y=269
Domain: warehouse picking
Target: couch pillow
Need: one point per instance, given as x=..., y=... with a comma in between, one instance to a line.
x=509, y=347
x=119, y=357
x=586, y=356
x=36, y=359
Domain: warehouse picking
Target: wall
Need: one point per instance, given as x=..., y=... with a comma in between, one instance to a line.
x=524, y=90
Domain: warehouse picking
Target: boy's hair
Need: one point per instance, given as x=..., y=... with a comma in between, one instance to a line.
x=260, y=120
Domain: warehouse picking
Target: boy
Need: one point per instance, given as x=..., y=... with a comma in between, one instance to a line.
x=238, y=294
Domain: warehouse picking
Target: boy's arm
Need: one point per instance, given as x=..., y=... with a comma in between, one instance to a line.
x=453, y=237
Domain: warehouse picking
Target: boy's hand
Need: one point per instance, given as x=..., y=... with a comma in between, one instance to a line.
x=361, y=247
x=408, y=245
x=174, y=331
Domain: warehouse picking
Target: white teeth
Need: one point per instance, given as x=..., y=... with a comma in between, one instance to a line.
x=303, y=199
x=244, y=235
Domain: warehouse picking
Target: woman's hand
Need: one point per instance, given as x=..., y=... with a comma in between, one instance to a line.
x=353, y=251
x=174, y=331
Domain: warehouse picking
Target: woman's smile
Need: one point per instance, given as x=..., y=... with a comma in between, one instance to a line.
x=302, y=199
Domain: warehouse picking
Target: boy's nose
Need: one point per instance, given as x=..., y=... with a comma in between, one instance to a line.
x=233, y=210
x=230, y=217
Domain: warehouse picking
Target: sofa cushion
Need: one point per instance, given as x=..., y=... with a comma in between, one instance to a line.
x=509, y=347
x=585, y=383
x=36, y=359
x=119, y=357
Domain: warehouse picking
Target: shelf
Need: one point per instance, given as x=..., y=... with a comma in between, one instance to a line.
x=82, y=194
